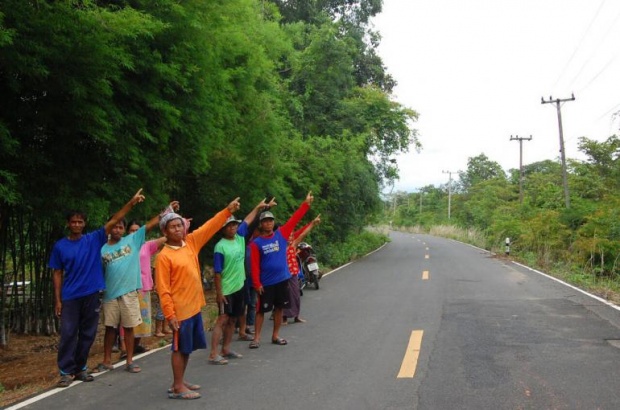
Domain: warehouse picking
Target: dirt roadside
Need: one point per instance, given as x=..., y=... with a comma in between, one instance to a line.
x=28, y=366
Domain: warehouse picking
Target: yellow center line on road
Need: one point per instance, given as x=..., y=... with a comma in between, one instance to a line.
x=410, y=361
x=425, y=275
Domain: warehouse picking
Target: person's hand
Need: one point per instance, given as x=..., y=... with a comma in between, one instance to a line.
x=137, y=198
x=221, y=299
x=234, y=205
x=272, y=202
x=58, y=308
x=317, y=220
x=173, y=323
x=309, y=198
x=260, y=290
x=175, y=205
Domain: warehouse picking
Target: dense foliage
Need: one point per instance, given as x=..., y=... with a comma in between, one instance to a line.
x=200, y=101
x=584, y=238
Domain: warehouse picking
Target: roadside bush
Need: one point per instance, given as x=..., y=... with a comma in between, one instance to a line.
x=354, y=247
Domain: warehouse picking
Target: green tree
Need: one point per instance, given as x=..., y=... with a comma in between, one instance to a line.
x=482, y=199
x=479, y=168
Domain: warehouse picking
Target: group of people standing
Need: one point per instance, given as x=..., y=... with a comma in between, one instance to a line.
x=108, y=270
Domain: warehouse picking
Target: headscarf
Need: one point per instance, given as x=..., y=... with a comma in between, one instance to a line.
x=167, y=218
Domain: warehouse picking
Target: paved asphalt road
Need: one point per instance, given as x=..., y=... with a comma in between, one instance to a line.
x=491, y=335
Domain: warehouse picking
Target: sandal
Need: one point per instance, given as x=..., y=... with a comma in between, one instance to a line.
x=232, y=355
x=186, y=395
x=123, y=355
x=65, y=380
x=245, y=338
x=133, y=368
x=83, y=376
x=101, y=367
x=140, y=349
x=219, y=360
x=254, y=344
x=190, y=386
x=279, y=341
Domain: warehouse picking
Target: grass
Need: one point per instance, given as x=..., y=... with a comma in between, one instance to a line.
x=355, y=247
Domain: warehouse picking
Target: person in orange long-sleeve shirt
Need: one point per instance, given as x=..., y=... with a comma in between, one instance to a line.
x=179, y=286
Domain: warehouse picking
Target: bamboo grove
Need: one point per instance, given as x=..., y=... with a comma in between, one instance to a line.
x=199, y=101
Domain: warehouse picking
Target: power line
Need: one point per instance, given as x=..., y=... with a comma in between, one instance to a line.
x=605, y=67
x=590, y=57
x=579, y=44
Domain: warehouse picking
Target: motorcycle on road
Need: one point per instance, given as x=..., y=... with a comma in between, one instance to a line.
x=309, y=264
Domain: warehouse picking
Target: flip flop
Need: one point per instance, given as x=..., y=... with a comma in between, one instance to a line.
x=65, y=380
x=245, y=338
x=218, y=360
x=186, y=395
x=101, y=367
x=254, y=344
x=133, y=368
x=83, y=376
x=279, y=341
x=232, y=355
x=188, y=385
x=140, y=349
x=192, y=386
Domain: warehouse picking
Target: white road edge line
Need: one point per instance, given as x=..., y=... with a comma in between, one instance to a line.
x=600, y=299
x=75, y=383
x=347, y=264
x=59, y=389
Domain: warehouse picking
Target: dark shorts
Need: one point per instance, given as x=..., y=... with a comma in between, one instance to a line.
x=235, y=306
x=190, y=336
x=274, y=296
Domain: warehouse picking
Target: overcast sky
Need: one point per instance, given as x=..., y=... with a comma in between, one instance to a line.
x=476, y=70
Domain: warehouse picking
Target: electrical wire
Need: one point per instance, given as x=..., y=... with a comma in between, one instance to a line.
x=593, y=53
x=579, y=44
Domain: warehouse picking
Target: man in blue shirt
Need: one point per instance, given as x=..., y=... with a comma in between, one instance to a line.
x=270, y=273
x=78, y=283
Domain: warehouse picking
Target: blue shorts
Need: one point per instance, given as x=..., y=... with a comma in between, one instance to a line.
x=190, y=336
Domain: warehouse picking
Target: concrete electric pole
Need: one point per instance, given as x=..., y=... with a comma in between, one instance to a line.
x=449, y=190
x=557, y=102
x=520, y=139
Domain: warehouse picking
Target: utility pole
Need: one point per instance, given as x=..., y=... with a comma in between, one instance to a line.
x=420, y=191
x=449, y=190
x=557, y=102
x=520, y=139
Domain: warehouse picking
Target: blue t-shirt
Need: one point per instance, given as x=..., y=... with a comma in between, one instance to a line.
x=273, y=264
x=121, y=264
x=80, y=262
